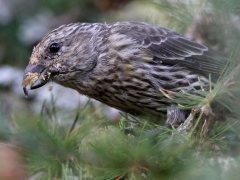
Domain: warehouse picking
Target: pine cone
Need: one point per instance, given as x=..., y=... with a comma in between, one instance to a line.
x=123, y=64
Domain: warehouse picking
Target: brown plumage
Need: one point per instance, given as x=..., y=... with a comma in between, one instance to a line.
x=123, y=64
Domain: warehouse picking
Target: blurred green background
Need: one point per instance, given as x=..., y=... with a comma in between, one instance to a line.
x=41, y=125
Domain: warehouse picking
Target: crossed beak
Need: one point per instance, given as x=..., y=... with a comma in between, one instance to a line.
x=34, y=77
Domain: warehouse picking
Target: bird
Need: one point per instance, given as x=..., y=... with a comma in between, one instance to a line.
x=124, y=65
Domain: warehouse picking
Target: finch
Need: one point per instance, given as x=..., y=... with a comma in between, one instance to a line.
x=124, y=65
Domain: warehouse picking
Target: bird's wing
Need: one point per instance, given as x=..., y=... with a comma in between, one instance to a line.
x=171, y=48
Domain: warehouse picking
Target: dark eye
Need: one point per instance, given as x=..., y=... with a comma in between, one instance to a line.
x=54, y=47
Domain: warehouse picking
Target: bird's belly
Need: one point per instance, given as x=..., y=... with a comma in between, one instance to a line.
x=133, y=102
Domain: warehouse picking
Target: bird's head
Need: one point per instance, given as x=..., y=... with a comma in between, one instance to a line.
x=64, y=53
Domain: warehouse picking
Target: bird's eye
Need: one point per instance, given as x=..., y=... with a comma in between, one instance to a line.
x=54, y=47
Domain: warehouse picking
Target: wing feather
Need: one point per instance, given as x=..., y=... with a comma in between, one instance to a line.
x=172, y=48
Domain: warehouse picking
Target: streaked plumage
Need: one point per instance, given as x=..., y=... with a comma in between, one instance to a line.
x=123, y=64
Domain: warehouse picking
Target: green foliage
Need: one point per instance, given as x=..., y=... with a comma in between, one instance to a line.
x=98, y=149
x=58, y=6
x=180, y=15
x=231, y=6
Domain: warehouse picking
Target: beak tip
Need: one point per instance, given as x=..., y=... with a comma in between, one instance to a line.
x=25, y=91
x=34, y=77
